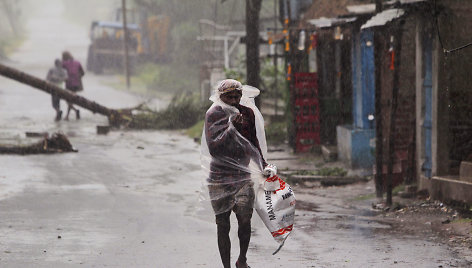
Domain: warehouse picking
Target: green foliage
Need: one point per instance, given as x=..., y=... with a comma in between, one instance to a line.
x=196, y=130
x=168, y=77
x=239, y=73
x=183, y=111
x=273, y=79
x=276, y=133
x=335, y=171
x=235, y=74
x=9, y=44
x=397, y=189
x=326, y=171
x=463, y=220
x=148, y=74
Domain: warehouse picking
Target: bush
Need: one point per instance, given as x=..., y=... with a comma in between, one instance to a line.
x=183, y=112
x=195, y=132
x=276, y=133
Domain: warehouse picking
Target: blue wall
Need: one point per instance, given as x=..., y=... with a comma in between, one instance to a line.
x=356, y=146
x=363, y=79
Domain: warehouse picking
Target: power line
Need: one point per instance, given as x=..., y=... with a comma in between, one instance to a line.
x=445, y=51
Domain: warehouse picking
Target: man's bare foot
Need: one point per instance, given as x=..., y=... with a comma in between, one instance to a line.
x=242, y=265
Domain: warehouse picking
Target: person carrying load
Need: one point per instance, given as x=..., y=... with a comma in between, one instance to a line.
x=233, y=149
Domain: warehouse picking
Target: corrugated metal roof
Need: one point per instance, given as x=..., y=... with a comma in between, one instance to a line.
x=328, y=22
x=383, y=18
x=361, y=9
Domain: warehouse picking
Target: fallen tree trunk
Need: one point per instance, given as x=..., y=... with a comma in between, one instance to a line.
x=115, y=117
x=57, y=143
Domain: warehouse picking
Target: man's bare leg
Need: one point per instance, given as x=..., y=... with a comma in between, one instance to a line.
x=223, y=226
x=69, y=107
x=244, y=234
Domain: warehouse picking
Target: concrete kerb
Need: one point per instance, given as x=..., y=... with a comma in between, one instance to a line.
x=293, y=166
x=328, y=180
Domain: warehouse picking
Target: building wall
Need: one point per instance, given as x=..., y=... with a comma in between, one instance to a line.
x=454, y=86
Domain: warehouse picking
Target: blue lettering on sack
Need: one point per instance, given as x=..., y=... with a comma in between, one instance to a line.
x=288, y=217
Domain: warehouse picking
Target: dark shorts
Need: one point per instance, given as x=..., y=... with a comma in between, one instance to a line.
x=241, y=201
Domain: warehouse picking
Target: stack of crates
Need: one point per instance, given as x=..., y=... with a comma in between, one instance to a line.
x=306, y=110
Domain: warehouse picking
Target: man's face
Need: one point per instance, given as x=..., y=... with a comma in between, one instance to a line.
x=232, y=98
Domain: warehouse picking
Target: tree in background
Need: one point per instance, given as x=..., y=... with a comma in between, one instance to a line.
x=11, y=11
x=10, y=25
x=184, y=30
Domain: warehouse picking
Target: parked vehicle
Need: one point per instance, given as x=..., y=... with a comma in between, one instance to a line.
x=146, y=42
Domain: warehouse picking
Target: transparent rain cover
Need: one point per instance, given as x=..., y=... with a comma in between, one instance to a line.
x=229, y=160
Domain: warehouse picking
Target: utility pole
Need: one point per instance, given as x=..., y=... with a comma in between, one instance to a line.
x=253, y=8
x=378, y=111
x=397, y=43
x=276, y=71
x=125, y=42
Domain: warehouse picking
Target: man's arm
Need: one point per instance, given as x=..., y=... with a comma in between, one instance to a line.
x=216, y=128
x=250, y=128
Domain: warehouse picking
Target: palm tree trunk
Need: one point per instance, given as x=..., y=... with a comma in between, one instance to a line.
x=114, y=116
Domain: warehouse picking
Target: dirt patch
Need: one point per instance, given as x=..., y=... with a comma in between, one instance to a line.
x=355, y=207
x=449, y=224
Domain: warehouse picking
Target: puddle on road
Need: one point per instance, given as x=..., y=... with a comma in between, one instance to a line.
x=363, y=225
x=171, y=198
x=95, y=187
x=306, y=206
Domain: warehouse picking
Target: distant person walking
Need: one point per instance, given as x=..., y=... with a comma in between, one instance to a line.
x=74, y=80
x=57, y=75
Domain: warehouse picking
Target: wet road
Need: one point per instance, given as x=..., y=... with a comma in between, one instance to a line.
x=128, y=199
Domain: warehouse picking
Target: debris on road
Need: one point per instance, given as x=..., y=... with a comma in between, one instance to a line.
x=57, y=143
x=36, y=134
x=103, y=130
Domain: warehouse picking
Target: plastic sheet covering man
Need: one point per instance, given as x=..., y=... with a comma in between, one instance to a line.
x=233, y=149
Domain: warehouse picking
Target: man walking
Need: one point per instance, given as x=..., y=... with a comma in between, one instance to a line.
x=231, y=148
x=57, y=75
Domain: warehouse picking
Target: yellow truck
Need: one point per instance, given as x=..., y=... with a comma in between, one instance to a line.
x=146, y=42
